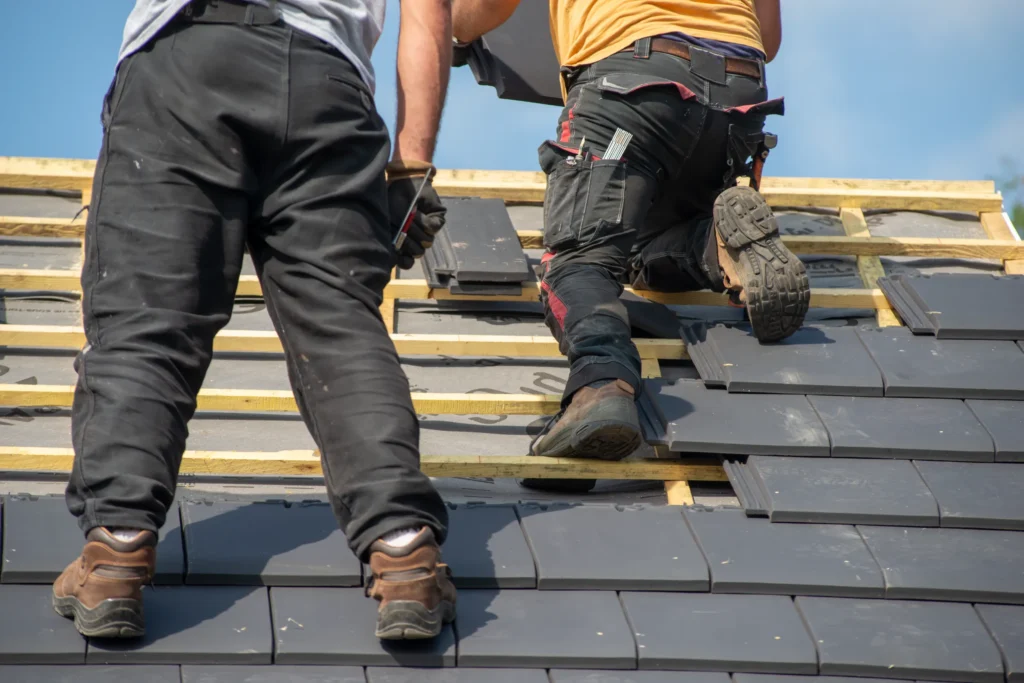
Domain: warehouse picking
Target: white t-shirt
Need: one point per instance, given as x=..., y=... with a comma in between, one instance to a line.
x=350, y=26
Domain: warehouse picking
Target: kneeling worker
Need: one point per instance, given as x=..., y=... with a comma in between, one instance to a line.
x=665, y=104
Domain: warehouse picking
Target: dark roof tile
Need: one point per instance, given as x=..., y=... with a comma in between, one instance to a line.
x=335, y=626
x=486, y=548
x=758, y=633
x=757, y=556
x=928, y=429
x=271, y=674
x=903, y=639
x=1006, y=624
x=949, y=564
x=64, y=673
x=542, y=629
x=32, y=633
x=977, y=495
x=26, y=560
x=613, y=548
x=195, y=625
x=845, y=491
x=268, y=544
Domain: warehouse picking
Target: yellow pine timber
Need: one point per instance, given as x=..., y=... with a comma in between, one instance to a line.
x=23, y=226
x=770, y=182
x=46, y=174
x=678, y=492
x=387, y=308
x=253, y=341
x=997, y=226
x=865, y=245
x=870, y=267
x=265, y=400
x=74, y=173
x=306, y=462
x=248, y=285
x=650, y=368
x=528, y=187
x=852, y=245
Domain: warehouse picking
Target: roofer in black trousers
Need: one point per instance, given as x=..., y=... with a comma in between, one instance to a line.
x=233, y=125
x=686, y=80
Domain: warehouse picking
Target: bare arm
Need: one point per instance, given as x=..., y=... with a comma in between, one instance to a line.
x=424, y=61
x=769, y=16
x=473, y=18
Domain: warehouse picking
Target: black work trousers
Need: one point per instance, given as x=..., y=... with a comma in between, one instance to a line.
x=644, y=219
x=218, y=137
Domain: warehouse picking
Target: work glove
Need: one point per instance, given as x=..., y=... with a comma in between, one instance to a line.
x=460, y=53
x=427, y=217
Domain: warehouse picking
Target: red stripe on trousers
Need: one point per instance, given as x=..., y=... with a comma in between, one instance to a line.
x=558, y=308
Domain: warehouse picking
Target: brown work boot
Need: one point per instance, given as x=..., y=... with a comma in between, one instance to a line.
x=757, y=268
x=599, y=423
x=415, y=591
x=102, y=589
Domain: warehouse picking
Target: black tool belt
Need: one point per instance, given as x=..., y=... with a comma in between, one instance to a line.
x=227, y=12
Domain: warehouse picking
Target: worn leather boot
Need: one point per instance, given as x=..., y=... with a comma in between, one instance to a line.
x=415, y=591
x=749, y=259
x=600, y=422
x=102, y=589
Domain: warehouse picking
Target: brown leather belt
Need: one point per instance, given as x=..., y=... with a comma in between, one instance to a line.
x=733, y=65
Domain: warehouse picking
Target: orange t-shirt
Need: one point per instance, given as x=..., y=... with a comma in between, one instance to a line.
x=585, y=31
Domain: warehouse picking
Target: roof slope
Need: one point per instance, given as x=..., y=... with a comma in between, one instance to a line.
x=882, y=560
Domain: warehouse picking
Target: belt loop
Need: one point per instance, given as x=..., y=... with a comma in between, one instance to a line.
x=250, y=15
x=642, y=49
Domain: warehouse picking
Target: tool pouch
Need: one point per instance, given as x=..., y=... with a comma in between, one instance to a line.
x=584, y=199
x=747, y=141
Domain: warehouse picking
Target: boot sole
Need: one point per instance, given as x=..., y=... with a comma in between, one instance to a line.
x=411, y=620
x=774, y=279
x=121, y=618
x=598, y=440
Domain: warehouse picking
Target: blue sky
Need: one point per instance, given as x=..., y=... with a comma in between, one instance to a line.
x=894, y=89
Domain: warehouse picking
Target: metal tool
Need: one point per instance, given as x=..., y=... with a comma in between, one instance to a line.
x=617, y=147
x=760, y=156
x=410, y=213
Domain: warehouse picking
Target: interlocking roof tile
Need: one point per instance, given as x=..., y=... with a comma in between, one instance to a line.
x=32, y=633
x=931, y=641
x=613, y=548
x=27, y=560
x=267, y=544
x=759, y=633
x=335, y=626
x=195, y=625
x=977, y=495
x=845, y=491
x=543, y=629
x=949, y=564
x=749, y=555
